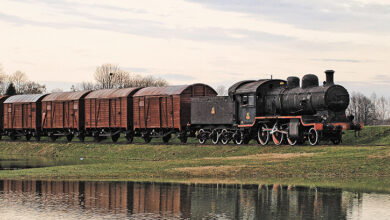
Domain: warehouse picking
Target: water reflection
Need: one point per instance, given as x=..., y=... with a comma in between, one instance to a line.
x=86, y=200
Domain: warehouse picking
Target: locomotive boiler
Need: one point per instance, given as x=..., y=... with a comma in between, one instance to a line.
x=283, y=111
x=310, y=99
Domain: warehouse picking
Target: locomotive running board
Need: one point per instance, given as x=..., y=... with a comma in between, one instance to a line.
x=317, y=126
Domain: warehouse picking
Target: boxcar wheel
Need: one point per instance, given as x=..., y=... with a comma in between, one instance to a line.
x=166, y=138
x=225, y=137
x=215, y=137
x=1, y=137
x=38, y=138
x=69, y=137
x=13, y=137
x=183, y=139
x=202, y=136
x=238, y=138
x=129, y=137
x=115, y=138
x=53, y=138
x=81, y=137
x=147, y=139
x=97, y=138
x=28, y=137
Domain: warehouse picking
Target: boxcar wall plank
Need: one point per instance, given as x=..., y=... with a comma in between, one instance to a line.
x=109, y=108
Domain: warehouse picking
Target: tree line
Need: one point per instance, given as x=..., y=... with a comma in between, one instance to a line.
x=18, y=83
x=110, y=76
x=106, y=76
x=371, y=110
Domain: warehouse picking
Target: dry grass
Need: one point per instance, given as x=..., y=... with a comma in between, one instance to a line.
x=382, y=156
x=206, y=170
x=268, y=157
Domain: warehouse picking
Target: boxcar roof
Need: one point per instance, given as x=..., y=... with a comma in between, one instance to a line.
x=111, y=93
x=24, y=98
x=253, y=86
x=64, y=96
x=166, y=90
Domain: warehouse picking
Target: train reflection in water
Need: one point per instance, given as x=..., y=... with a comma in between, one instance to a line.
x=141, y=200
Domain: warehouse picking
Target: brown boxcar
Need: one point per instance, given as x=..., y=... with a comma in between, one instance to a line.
x=108, y=113
x=22, y=116
x=2, y=99
x=161, y=111
x=63, y=115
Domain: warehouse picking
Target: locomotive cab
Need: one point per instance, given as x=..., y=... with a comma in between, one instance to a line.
x=251, y=99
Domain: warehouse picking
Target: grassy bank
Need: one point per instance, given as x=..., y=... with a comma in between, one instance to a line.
x=348, y=166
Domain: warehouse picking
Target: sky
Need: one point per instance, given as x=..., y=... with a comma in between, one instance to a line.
x=219, y=42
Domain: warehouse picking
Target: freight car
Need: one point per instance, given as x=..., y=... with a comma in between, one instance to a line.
x=22, y=116
x=283, y=111
x=108, y=113
x=160, y=112
x=63, y=115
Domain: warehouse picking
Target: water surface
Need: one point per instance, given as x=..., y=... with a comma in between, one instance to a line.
x=132, y=200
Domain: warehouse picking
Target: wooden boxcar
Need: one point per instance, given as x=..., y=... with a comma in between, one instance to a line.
x=108, y=113
x=161, y=111
x=22, y=116
x=63, y=115
x=2, y=99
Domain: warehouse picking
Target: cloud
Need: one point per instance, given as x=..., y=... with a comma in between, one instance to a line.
x=215, y=42
x=343, y=16
x=338, y=60
x=153, y=29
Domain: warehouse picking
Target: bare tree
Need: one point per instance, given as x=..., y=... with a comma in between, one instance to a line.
x=3, y=80
x=57, y=90
x=362, y=108
x=84, y=86
x=222, y=91
x=106, y=74
x=74, y=88
x=19, y=79
x=33, y=88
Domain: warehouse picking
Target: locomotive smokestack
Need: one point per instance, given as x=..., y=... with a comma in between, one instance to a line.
x=329, y=77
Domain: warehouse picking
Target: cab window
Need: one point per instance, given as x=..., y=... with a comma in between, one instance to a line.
x=251, y=100
x=244, y=100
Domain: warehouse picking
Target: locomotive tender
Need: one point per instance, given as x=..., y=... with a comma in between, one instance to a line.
x=263, y=110
x=271, y=108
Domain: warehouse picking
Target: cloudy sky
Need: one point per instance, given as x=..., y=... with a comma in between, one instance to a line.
x=60, y=42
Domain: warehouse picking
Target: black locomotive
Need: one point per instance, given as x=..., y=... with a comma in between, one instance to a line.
x=277, y=109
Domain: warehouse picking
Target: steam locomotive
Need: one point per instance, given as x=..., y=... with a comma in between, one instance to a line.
x=275, y=109
x=262, y=110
